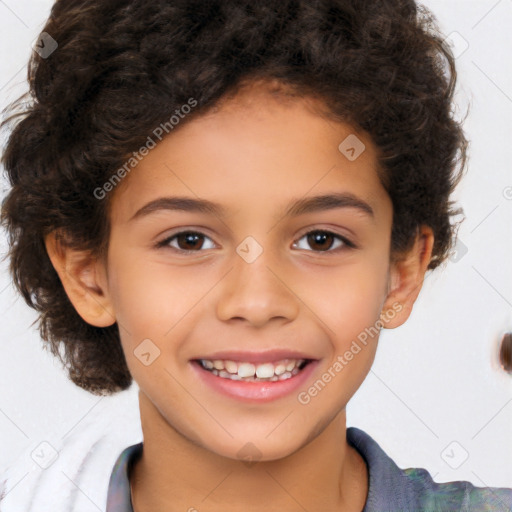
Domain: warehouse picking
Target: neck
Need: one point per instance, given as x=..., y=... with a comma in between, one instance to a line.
x=176, y=474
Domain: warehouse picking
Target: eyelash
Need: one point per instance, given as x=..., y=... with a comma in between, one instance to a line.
x=347, y=244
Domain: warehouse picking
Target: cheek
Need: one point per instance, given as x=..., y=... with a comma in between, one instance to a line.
x=361, y=299
x=350, y=314
x=149, y=295
x=350, y=299
x=157, y=302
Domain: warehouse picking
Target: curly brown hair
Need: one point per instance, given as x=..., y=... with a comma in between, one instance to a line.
x=122, y=67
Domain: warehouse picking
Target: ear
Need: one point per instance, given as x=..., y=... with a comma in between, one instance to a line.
x=84, y=279
x=406, y=279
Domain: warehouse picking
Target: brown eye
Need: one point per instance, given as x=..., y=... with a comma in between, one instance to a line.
x=186, y=241
x=189, y=241
x=320, y=240
x=324, y=241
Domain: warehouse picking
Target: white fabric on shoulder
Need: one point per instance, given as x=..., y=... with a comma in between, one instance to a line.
x=73, y=473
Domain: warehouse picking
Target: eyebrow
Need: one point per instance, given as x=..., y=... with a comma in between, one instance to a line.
x=294, y=209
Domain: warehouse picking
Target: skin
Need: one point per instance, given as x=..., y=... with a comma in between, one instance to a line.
x=253, y=155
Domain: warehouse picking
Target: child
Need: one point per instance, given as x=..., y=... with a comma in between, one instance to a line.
x=307, y=149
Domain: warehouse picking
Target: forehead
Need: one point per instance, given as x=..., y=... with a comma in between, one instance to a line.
x=258, y=147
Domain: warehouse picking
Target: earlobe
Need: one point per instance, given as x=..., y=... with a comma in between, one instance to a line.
x=84, y=279
x=406, y=279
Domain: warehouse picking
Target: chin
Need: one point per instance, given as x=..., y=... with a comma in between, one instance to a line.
x=256, y=449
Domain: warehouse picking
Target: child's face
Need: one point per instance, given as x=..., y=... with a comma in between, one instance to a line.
x=307, y=297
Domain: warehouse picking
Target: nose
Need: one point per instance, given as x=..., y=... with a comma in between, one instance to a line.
x=256, y=293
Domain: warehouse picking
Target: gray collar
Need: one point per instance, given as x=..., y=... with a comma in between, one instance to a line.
x=390, y=488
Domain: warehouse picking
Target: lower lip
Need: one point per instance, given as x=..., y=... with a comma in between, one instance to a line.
x=255, y=391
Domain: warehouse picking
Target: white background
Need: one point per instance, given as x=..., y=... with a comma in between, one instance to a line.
x=436, y=393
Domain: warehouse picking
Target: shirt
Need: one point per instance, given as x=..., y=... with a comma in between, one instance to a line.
x=390, y=489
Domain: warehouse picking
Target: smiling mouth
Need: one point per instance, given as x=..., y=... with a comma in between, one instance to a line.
x=249, y=372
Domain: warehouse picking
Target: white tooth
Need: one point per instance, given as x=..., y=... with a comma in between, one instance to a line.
x=224, y=373
x=231, y=366
x=279, y=369
x=285, y=376
x=265, y=371
x=218, y=364
x=290, y=366
x=246, y=370
x=207, y=363
x=215, y=372
x=274, y=378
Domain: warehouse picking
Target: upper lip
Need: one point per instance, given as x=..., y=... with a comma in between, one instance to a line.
x=256, y=357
